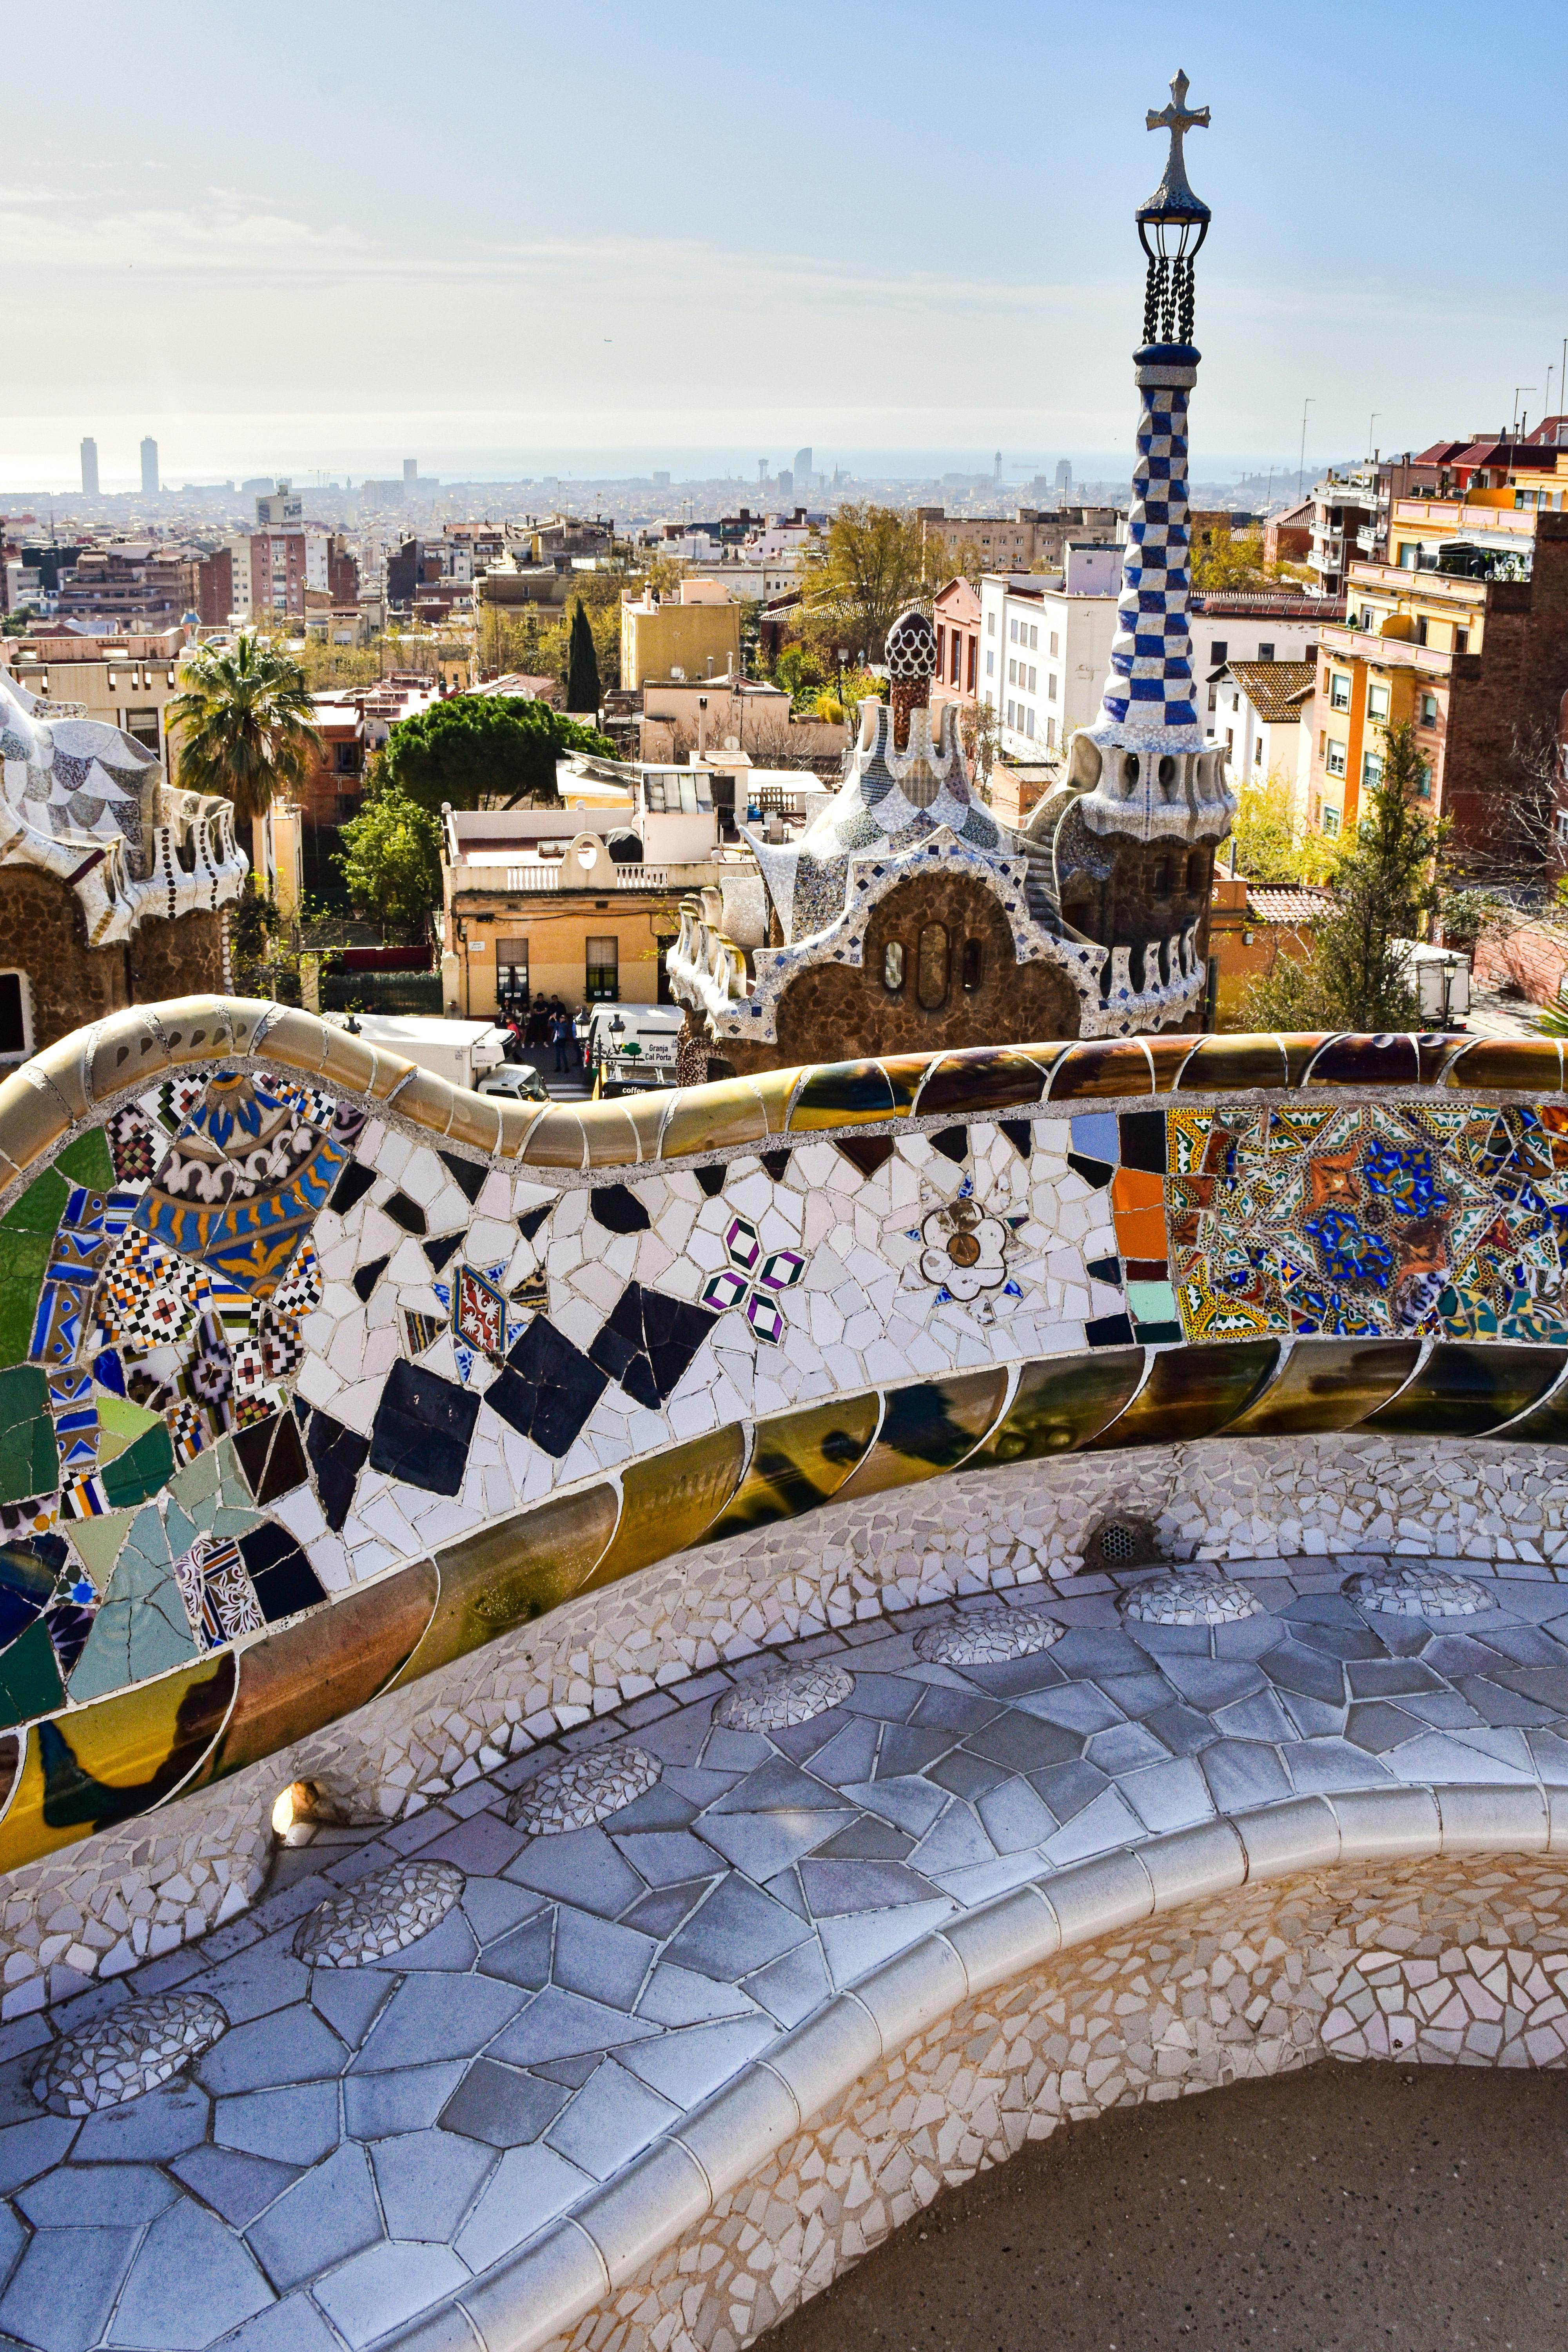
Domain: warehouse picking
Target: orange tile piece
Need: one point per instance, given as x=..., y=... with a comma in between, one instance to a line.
x=1137, y=1188
x=1141, y=1233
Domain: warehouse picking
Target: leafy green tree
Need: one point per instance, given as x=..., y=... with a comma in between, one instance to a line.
x=391, y=862
x=484, y=750
x=1268, y=846
x=581, y=665
x=1356, y=976
x=243, y=719
x=1237, y=562
x=872, y=564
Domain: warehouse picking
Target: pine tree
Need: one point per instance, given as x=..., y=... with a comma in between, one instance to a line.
x=1356, y=977
x=581, y=666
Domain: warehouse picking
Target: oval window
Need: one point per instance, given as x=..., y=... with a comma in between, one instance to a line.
x=931, y=974
x=973, y=963
x=893, y=966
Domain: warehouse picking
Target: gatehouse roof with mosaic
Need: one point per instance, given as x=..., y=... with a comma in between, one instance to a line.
x=89, y=803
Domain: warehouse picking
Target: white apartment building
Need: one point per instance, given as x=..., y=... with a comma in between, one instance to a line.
x=1045, y=639
x=1249, y=628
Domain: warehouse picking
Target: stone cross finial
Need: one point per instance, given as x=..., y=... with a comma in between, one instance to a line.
x=1175, y=119
x=1174, y=196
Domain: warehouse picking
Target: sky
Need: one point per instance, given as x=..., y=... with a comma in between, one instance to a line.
x=521, y=238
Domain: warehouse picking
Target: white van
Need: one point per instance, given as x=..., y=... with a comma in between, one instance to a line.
x=632, y=1046
x=459, y=1051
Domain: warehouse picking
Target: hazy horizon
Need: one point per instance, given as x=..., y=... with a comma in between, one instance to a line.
x=342, y=238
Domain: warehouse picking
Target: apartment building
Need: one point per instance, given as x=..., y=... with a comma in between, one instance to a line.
x=1264, y=715
x=130, y=585
x=580, y=902
x=124, y=681
x=694, y=634
x=1045, y=646
x=1468, y=640
x=959, y=620
x=1015, y=543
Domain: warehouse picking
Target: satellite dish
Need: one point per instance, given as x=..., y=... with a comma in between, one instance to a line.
x=731, y=742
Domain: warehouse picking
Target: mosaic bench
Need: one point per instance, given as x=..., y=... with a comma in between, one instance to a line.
x=346, y=1412
x=320, y=1374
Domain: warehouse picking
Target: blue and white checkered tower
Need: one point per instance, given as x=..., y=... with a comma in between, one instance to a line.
x=1145, y=767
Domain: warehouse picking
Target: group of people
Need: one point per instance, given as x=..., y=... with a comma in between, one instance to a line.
x=545, y=1024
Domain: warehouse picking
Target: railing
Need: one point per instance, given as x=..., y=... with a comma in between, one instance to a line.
x=560, y=877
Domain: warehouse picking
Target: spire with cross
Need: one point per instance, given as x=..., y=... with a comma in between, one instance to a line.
x=1146, y=767
x=1173, y=198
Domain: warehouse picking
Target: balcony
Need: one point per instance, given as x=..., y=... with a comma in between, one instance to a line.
x=529, y=878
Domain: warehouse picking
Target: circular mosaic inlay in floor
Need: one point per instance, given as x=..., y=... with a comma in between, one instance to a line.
x=988, y=1638
x=1189, y=1599
x=131, y=2051
x=776, y=1701
x=590, y=1789
x=1416, y=1587
x=386, y=1911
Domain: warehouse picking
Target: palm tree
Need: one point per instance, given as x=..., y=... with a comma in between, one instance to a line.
x=245, y=723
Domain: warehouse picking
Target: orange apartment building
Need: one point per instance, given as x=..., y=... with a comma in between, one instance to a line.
x=1463, y=631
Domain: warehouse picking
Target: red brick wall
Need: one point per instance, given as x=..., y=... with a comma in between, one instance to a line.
x=1529, y=958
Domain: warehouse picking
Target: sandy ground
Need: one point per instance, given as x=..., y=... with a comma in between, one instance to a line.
x=1409, y=2209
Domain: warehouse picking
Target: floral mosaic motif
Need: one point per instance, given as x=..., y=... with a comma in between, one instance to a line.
x=989, y=1637
x=577, y=1795
x=1371, y=1220
x=382, y=1915
x=776, y=1701
x=131, y=2051
x=220, y=1599
x=477, y=1316
x=1417, y=1587
x=1188, y=1598
x=754, y=1280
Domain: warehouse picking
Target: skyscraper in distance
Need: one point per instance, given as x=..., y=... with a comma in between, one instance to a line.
x=803, y=469
x=149, y=467
x=88, y=467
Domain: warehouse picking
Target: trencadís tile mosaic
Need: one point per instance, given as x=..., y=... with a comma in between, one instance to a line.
x=260, y=1346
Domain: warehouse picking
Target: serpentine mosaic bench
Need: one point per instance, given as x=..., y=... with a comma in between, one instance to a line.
x=319, y=1375
x=458, y=1459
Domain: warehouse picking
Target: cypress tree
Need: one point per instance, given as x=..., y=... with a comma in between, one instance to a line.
x=581, y=665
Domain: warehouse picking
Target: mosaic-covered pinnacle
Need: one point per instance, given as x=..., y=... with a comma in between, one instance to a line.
x=1145, y=767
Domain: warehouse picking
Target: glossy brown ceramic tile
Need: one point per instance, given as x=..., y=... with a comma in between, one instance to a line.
x=1546, y=1423
x=1059, y=1405
x=927, y=1428
x=1168, y=1058
x=1301, y=1048
x=508, y=1574
x=1115, y=1066
x=1191, y=1393
x=1232, y=1064
x=1506, y=1066
x=842, y=1094
x=1435, y=1049
x=710, y=1119
x=324, y=1665
x=670, y=1502
x=800, y=1459
x=983, y=1079
x=1463, y=1390
x=1327, y=1384
x=555, y=1141
x=1389, y=1061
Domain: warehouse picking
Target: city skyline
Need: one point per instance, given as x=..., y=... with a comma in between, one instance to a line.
x=674, y=277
